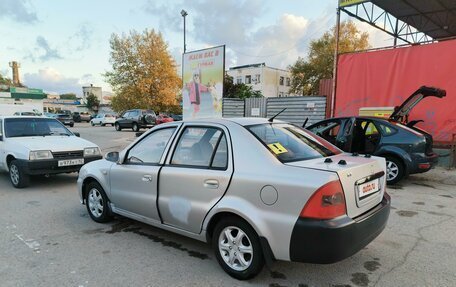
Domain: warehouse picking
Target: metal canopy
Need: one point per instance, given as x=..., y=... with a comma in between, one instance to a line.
x=412, y=21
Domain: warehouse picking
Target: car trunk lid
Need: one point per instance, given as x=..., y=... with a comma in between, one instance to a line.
x=363, y=179
x=403, y=110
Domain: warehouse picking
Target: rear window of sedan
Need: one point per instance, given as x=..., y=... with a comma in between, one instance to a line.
x=291, y=143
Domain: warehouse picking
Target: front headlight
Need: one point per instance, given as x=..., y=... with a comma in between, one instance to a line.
x=40, y=154
x=91, y=151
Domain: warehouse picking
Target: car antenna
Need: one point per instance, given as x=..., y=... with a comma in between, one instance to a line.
x=305, y=122
x=274, y=116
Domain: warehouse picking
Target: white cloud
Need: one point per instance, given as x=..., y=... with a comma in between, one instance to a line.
x=377, y=38
x=280, y=44
x=52, y=81
x=235, y=24
x=82, y=38
x=18, y=10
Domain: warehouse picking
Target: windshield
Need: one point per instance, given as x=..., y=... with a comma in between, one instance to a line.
x=291, y=143
x=26, y=127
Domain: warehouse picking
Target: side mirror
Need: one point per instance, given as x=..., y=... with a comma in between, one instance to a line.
x=77, y=134
x=112, y=156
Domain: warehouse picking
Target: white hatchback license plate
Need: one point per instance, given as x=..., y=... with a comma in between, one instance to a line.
x=368, y=188
x=68, y=162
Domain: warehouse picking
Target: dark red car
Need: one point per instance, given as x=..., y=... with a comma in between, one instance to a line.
x=161, y=119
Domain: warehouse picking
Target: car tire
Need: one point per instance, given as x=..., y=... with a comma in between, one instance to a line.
x=92, y=123
x=117, y=126
x=237, y=248
x=135, y=127
x=395, y=170
x=112, y=125
x=19, y=179
x=97, y=203
x=71, y=125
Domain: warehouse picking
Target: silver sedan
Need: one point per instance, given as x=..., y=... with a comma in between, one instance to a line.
x=257, y=190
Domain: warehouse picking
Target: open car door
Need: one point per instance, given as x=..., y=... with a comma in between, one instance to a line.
x=401, y=113
x=345, y=138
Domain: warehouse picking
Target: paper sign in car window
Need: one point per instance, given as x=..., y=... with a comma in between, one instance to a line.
x=277, y=148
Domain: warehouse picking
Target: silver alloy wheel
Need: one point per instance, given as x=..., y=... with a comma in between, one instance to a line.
x=14, y=174
x=392, y=170
x=95, y=202
x=235, y=248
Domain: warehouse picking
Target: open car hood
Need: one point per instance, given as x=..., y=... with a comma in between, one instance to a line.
x=400, y=113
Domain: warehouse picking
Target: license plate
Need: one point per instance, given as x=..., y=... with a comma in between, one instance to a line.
x=68, y=162
x=368, y=188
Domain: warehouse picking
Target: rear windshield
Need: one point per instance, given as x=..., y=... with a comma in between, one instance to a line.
x=145, y=112
x=291, y=143
x=26, y=127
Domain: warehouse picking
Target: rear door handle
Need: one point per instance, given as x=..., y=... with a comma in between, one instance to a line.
x=147, y=178
x=211, y=183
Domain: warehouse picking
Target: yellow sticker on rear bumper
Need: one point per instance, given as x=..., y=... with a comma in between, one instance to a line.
x=277, y=148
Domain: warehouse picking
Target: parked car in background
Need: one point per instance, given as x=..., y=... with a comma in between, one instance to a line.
x=176, y=117
x=255, y=189
x=86, y=117
x=39, y=146
x=82, y=117
x=103, y=119
x=407, y=149
x=65, y=119
x=135, y=119
x=161, y=119
x=26, y=114
x=50, y=115
x=76, y=117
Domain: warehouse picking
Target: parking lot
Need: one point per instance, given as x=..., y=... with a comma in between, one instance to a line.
x=48, y=239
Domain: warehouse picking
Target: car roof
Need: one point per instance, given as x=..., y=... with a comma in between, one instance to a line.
x=239, y=121
x=23, y=117
x=358, y=117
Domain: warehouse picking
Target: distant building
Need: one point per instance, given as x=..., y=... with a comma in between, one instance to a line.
x=96, y=91
x=271, y=82
x=18, y=99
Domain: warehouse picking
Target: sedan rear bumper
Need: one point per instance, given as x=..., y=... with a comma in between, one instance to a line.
x=329, y=241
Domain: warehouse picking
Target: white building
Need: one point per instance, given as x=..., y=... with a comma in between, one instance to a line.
x=96, y=91
x=271, y=82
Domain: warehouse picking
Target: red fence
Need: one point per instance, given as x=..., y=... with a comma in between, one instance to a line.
x=387, y=77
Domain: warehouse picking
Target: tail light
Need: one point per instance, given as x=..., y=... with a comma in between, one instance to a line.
x=326, y=203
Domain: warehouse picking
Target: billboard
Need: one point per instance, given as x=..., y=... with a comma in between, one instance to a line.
x=202, y=75
x=345, y=3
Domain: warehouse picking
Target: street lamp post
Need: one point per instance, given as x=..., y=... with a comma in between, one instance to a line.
x=184, y=13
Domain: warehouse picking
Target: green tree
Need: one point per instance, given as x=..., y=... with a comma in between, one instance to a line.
x=306, y=74
x=143, y=74
x=238, y=91
x=68, y=96
x=92, y=102
x=5, y=81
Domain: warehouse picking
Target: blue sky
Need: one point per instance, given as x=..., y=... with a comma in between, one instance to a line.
x=63, y=45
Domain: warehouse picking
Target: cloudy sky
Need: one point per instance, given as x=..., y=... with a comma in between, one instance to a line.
x=63, y=45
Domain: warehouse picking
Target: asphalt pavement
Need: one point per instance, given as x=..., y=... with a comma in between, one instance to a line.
x=48, y=239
